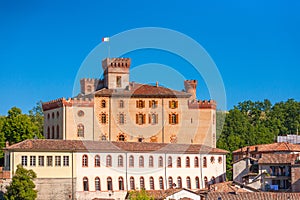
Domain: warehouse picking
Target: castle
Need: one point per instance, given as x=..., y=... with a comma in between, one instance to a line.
x=116, y=109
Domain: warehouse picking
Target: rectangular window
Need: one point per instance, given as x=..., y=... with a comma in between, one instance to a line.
x=66, y=161
x=140, y=118
x=173, y=118
x=32, y=161
x=119, y=81
x=153, y=104
x=41, y=160
x=173, y=104
x=140, y=104
x=57, y=161
x=153, y=118
x=24, y=160
x=49, y=161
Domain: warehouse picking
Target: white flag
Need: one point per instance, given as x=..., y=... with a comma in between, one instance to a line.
x=105, y=39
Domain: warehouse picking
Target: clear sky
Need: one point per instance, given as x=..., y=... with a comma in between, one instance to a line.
x=255, y=44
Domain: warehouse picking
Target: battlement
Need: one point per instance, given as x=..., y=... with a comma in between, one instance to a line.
x=190, y=87
x=210, y=104
x=116, y=62
x=57, y=103
x=89, y=80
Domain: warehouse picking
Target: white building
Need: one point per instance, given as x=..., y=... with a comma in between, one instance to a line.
x=110, y=169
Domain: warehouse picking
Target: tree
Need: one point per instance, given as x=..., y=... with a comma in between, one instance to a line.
x=139, y=195
x=18, y=127
x=37, y=116
x=22, y=185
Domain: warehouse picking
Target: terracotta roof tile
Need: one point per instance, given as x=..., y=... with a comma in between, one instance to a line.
x=252, y=196
x=278, y=158
x=143, y=90
x=100, y=146
x=274, y=147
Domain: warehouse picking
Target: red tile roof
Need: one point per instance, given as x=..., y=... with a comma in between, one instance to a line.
x=252, y=196
x=143, y=90
x=278, y=158
x=105, y=146
x=274, y=147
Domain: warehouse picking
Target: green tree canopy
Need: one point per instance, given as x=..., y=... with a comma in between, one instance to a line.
x=22, y=185
x=139, y=195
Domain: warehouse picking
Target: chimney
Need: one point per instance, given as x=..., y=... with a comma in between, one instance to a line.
x=190, y=87
x=6, y=144
x=156, y=83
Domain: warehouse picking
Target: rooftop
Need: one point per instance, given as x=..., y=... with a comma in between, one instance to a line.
x=278, y=158
x=105, y=146
x=252, y=196
x=274, y=147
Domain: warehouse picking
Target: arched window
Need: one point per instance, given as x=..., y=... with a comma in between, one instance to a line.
x=121, y=104
x=205, y=182
x=97, y=184
x=108, y=161
x=153, y=118
x=178, y=162
x=151, y=181
x=169, y=161
x=142, y=183
x=141, y=161
x=121, y=183
x=187, y=161
x=103, y=118
x=53, y=115
x=140, y=118
x=121, y=118
x=196, y=162
x=212, y=159
x=131, y=161
x=52, y=134
x=173, y=118
x=103, y=103
x=57, y=114
x=57, y=132
x=85, y=161
x=160, y=161
x=120, y=161
x=48, y=132
x=85, y=184
x=220, y=159
x=48, y=116
x=151, y=161
x=188, y=182
x=179, y=182
x=109, y=184
x=80, y=130
x=97, y=161
x=204, y=162
x=121, y=137
x=170, y=181
x=161, y=183
x=213, y=180
x=132, y=185
x=103, y=137
x=197, y=182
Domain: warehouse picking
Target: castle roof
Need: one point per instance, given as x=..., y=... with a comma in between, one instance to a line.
x=274, y=147
x=278, y=158
x=105, y=146
x=143, y=90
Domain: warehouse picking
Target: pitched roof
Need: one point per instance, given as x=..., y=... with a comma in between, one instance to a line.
x=252, y=196
x=105, y=146
x=278, y=158
x=274, y=147
x=228, y=186
x=143, y=90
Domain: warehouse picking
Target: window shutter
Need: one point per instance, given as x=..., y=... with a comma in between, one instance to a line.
x=177, y=120
x=156, y=119
x=176, y=104
x=150, y=104
x=136, y=118
x=170, y=118
x=137, y=103
x=156, y=103
x=170, y=104
x=143, y=104
x=149, y=116
x=144, y=118
x=106, y=118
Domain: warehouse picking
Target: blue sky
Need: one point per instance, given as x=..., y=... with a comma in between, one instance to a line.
x=255, y=44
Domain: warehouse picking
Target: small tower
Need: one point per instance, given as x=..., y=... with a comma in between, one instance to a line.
x=116, y=72
x=88, y=85
x=190, y=87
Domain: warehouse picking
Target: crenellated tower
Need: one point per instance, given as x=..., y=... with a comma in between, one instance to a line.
x=116, y=73
x=190, y=87
x=88, y=85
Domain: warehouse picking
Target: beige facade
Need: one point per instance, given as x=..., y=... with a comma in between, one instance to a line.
x=115, y=109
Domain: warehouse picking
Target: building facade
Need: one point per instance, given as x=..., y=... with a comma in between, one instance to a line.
x=116, y=109
x=96, y=169
x=268, y=167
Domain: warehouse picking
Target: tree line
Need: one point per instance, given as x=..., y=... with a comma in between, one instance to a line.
x=251, y=123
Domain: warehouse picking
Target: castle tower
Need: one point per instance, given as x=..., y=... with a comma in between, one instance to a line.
x=88, y=85
x=190, y=87
x=116, y=72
